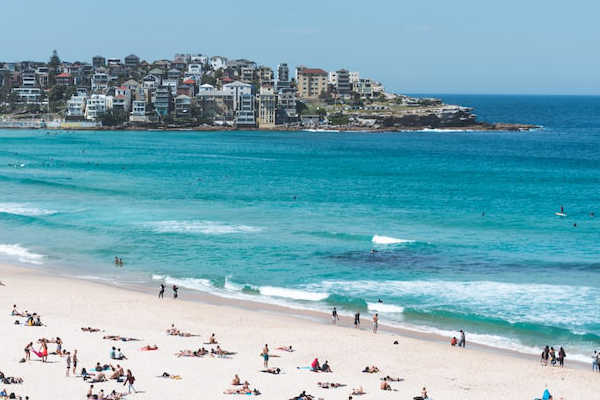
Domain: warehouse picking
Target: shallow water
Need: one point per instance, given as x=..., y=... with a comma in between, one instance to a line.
x=462, y=223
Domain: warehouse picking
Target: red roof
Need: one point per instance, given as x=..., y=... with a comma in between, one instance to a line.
x=313, y=71
x=189, y=81
x=227, y=79
x=64, y=75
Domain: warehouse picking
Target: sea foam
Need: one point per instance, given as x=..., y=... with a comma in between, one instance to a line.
x=23, y=209
x=377, y=239
x=201, y=227
x=22, y=254
x=385, y=308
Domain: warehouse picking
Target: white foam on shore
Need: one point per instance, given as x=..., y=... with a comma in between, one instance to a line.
x=23, y=209
x=378, y=239
x=289, y=297
x=201, y=227
x=385, y=308
x=22, y=254
x=295, y=294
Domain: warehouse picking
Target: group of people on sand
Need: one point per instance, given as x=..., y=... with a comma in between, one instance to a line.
x=161, y=291
x=596, y=361
x=172, y=331
x=460, y=343
x=316, y=367
x=244, y=388
x=549, y=356
x=33, y=319
x=335, y=318
x=5, y=394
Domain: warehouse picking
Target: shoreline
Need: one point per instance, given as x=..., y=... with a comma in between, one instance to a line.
x=150, y=287
x=483, y=127
x=66, y=304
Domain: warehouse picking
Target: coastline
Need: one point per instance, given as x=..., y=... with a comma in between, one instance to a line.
x=419, y=359
x=303, y=313
x=483, y=127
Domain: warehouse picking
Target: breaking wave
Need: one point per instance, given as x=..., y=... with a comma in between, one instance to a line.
x=201, y=227
x=20, y=253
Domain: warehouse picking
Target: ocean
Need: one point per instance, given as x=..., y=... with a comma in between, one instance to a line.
x=451, y=230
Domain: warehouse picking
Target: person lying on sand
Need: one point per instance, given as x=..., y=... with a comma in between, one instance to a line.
x=192, y=353
x=221, y=352
x=358, y=391
x=303, y=396
x=100, y=377
x=149, y=347
x=390, y=379
x=274, y=371
x=254, y=392
x=9, y=380
x=120, y=338
x=288, y=349
x=330, y=385
x=167, y=375
x=115, y=396
x=90, y=329
x=371, y=370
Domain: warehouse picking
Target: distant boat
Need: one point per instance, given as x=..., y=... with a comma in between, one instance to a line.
x=560, y=214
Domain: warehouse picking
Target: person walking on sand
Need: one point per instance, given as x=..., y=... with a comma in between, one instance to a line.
x=357, y=320
x=129, y=381
x=561, y=357
x=161, y=293
x=68, y=363
x=28, y=351
x=334, y=315
x=175, y=289
x=375, y=322
x=265, y=355
x=462, y=342
x=74, y=360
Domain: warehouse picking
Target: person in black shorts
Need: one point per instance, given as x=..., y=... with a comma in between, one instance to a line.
x=161, y=293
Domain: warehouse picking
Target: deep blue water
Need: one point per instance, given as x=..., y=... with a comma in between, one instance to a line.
x=463, y=223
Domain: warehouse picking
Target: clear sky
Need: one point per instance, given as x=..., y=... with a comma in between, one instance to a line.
x=427, y=46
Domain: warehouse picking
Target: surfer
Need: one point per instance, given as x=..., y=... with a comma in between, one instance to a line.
x=379, y=301
x=373, y=251
x=562, y=210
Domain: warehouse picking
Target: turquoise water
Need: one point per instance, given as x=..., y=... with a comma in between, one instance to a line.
x=463, y=223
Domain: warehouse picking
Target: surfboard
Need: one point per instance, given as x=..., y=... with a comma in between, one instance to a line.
x=561, y=214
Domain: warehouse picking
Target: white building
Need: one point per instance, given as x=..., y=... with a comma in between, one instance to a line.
x=332, y=79
x=354, y=76
x=151, y=81
x=237, y=90
x=99, y=82
x=218, y=62
x=96, y=106
x=76, y=106
x=28, y=95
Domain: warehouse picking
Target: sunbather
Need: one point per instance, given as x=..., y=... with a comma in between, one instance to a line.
x=371, y=370
x=390, y=379
x=385, y=385
x=119, y=338
x=358, y=391
x=328, y=385
x=167, y=375
x=236, y=380
x=90, y=329
x=274, y=371
x=149, y=347
x=288, y=349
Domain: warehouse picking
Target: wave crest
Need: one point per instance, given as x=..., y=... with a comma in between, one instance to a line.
x=377, y=239
x=23, y=209
x=201, y=227
x=22, y=254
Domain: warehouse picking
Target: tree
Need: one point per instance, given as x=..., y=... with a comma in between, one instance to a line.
x=114, y=118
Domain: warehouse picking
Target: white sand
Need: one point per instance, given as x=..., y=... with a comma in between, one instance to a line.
x=68, y=304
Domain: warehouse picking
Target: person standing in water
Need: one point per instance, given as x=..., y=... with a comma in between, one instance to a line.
x=175, y=289
x=334, y=315
x=161, y=292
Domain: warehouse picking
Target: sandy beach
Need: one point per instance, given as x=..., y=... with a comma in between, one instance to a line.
x=66, y=305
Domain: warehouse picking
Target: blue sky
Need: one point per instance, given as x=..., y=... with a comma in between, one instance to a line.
x=434, y=46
